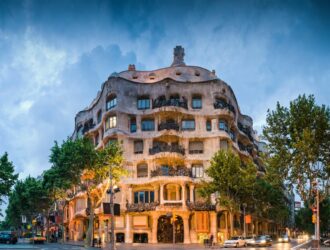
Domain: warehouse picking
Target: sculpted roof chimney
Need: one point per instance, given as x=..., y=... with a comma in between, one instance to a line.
x=178, y=56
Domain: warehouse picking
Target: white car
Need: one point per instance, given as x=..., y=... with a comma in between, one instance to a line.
x=250, y=240
x=236, y=241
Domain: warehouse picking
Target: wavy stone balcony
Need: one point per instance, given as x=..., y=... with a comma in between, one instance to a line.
x=200, y=206
x=171, y=171
x=220, y=104
x=141, y=207
x=168, y=126
x=166, y=148
x=245, y=130
x=248, y=149
x=158, y=103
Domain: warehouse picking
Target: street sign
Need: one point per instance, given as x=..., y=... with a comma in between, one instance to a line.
x=23, y=219
x=248, y=219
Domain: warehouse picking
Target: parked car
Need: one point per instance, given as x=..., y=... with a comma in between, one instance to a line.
x=37, y=239
x=8, y=237
x=263, y=240
x=250, y=240
x=326, y=243
x=236, y=241
x=284, y=238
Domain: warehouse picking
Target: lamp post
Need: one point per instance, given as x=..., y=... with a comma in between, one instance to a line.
x=112, y=228
x=244, y=206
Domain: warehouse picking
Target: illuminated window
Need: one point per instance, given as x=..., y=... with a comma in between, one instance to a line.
x=111, y=122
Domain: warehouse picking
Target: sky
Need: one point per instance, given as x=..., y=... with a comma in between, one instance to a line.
x=54, y=56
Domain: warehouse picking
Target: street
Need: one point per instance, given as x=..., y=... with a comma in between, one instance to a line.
x=280, y=246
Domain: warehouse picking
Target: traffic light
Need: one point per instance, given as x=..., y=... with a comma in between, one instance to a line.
x=314, y=218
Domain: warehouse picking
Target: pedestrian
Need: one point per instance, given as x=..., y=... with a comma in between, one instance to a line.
x=211, y=240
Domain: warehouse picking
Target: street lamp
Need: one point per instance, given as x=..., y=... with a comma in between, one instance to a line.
x=244, y=206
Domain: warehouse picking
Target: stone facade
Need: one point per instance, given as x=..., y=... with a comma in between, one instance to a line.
x=170, y=122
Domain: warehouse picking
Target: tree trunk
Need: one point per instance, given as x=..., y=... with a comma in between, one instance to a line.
x=89, y=234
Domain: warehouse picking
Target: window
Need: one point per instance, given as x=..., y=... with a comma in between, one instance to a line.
x=144, y=196
x=133, y=125
x=111, y=141
x=111, y=122
x=97, y=138
x=142, y=170
x=223, y=144
x=111, y=102
x=188, y=125
x=197, y=171
x=148, y=125
x=196, y=102
x=195, y=147
x=223, y=125
x=138, y=147
x=232, y=135
x=143, y=102
x=99, y=116
x=208, y=125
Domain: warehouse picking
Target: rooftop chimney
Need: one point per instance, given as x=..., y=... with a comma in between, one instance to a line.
x=131, y=67
x=178, y=56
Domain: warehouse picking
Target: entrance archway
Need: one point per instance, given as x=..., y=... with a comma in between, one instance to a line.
x=165, y=230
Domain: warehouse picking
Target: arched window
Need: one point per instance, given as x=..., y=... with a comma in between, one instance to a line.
x=99, y=116
x=142, y=170
x=111, y=101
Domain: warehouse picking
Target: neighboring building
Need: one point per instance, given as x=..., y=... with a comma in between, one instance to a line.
x=170, y=122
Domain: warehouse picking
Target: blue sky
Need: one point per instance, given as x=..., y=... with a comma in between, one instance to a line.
x=54, y=56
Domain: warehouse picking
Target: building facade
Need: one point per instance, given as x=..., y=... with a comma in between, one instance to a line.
x=170, y=122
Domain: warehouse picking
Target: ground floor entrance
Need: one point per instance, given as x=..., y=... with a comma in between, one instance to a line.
x=165, y=230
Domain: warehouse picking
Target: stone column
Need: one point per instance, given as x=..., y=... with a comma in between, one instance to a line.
x=177, y=193
x=154, y=229
x=192, y=189
x=128, y=234
x=130, y=195
x=184, y=199
x=161, y=194
x=138, y=123
x=186, y=229
x=156, y=191
x=226, y=222
x=213, y=225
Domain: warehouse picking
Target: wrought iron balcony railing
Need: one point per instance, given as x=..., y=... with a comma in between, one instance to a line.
x=221, y=104
x=140, y=207
x=171, y=171
x=158, y=103
x=200, y=206
x=166, y=148
x=168, y=126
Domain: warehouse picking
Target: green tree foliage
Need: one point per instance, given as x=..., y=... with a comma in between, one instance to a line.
x=299, y=143
x=303, y=218
x=236, y=183
x=7, y=177
x=232, y=180
x=28, y=198
x=77, y=163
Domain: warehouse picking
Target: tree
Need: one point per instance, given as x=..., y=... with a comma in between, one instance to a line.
x=299, y=144
x=232, y=180
x=78, y=163
x=7, y=177
x=28, y=198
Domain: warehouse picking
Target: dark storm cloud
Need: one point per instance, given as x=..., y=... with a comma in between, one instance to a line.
x=54, y=56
